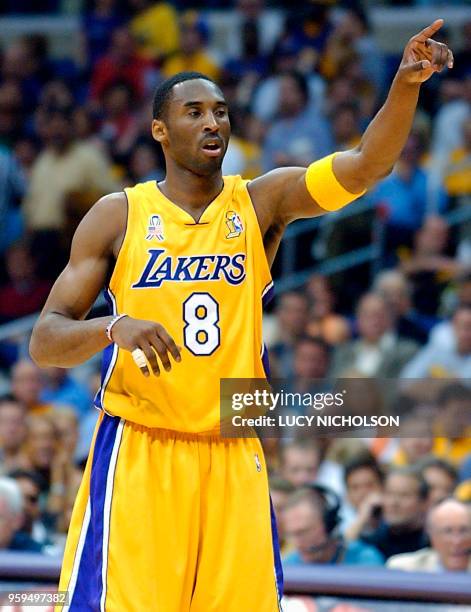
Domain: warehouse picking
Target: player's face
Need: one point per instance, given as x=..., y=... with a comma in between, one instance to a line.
x=196, y=129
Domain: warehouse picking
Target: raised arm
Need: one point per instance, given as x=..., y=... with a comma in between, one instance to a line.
x=287, y=194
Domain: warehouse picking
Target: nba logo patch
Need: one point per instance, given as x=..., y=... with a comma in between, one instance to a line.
x=155, y=228
x=234, y=224
x=258, y=465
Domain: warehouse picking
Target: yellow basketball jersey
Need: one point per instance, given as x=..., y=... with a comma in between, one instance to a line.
x=204, y=282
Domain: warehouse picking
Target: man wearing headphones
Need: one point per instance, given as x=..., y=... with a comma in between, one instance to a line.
x=310, y=517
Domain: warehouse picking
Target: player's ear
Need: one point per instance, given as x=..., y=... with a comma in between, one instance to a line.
x=159, y=130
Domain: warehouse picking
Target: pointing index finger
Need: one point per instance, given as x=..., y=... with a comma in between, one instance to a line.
x=429, y=30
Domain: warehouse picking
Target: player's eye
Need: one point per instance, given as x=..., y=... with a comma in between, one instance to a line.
x=221, y=112
x=194, y=113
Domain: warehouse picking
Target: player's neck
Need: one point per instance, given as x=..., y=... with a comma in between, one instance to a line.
x=190, y=191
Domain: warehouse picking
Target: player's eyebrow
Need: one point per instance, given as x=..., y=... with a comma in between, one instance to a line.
x=199, y=103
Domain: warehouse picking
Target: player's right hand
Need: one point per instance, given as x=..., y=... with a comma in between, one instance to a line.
x=152, y=338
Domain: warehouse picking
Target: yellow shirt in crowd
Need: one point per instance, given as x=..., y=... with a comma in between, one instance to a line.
x=156, y=31
x=199, y=62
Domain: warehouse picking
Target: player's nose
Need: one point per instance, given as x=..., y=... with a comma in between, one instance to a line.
x=210, y=123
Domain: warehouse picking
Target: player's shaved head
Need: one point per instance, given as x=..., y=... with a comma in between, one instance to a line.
x=164, y=91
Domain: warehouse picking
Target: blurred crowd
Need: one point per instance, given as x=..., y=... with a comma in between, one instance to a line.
x=72, y=130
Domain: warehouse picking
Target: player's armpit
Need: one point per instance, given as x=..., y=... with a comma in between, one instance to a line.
x=60, y=337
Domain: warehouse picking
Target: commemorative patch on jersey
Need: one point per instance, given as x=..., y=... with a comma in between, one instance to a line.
x=234, y=223
x=155, y=228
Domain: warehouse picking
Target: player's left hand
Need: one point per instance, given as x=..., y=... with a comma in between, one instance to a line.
x=423, y=56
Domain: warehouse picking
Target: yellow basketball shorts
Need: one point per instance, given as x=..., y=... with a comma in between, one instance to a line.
x=171, y=522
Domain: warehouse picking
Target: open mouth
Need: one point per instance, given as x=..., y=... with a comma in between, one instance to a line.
x=212, y=149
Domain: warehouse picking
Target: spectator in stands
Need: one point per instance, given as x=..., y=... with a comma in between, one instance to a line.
x=415, y=439
x=155, y=28
x=122, y=64
x=301, y=133
x=98, y=26
x=60, y=389
x=88, y=420
x=393, y=286
x=310, y=519
x=67, y=427
x=249, y=65
x=13, y=431
x=364, y=485
x=442, y=335
x=27, y=385
x=30, y=486
x=66, y=166
x=309, y=28
x=403, y=514
x=53, y=463
x=403, y=196
x=449, y=529
x=244, y=153
x=324, y=322
x=457, y=173
x=453, y=425
x=85, y=127
x=345, y=119
x=280, y=490
x=253, y=13
x=11, y=112
x=378, y=351
x=11, y=519
x=144, y=164
x=24, y=62
x=441, y=478
x=448, y=131
x=265, y=104
x=26, y=150
x=292, y=315
x=311, y=363
x=428, y=266
x=12, y=187
x=24, y=293
x=351, y=38
x=56, y=93
x=193, y=53
x=120, y=126
x=302, y=461
x=452, y=361
x=463, y=55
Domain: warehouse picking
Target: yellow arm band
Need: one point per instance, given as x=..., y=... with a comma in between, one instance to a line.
x=324, y=187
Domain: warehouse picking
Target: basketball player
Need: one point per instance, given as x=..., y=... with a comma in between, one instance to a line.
x=170, y=517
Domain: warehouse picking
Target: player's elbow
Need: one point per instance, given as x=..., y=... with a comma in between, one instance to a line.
x=36, y=351
x=38, y=346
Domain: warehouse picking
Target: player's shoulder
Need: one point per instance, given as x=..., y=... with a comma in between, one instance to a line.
x=111, y=203
x=107, y=217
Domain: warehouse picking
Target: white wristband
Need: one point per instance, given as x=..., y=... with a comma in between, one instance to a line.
x=110, y=326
